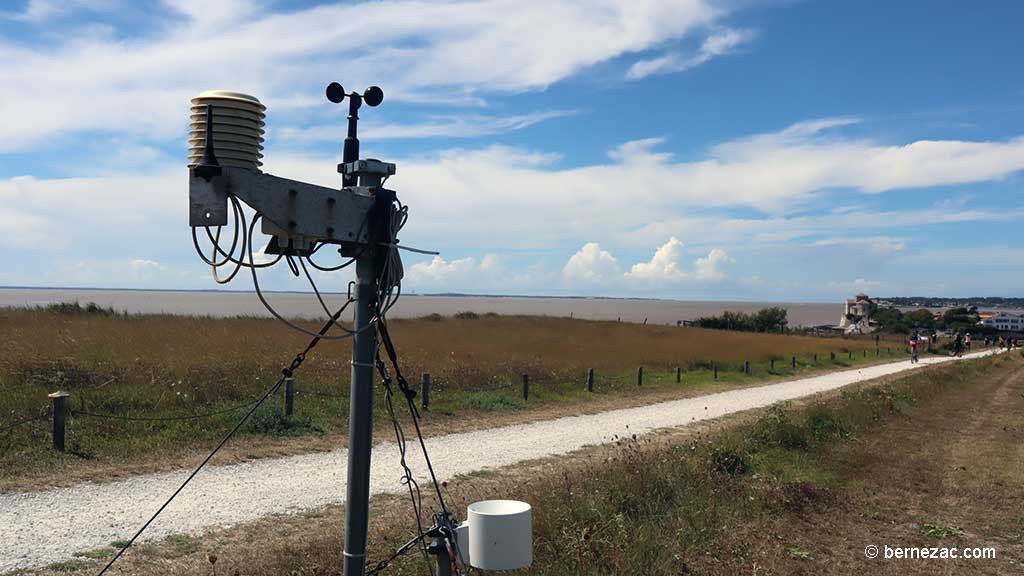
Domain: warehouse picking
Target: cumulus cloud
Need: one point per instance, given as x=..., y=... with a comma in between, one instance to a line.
x=591, y=264
x=712, y=266
x=667, y=266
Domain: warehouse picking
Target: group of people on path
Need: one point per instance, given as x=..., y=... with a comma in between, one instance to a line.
x=961, y=344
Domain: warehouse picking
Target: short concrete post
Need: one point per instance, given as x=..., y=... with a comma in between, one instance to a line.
x=526, y=387
x=679, y=374
x=289, y=396
x=425, y=391
x=640, y=376
x=60, y=410
x=590, y=380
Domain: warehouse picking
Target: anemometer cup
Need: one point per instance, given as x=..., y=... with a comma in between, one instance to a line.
x=372, y=96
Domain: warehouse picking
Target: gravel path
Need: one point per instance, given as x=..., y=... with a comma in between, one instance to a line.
x=43, y=527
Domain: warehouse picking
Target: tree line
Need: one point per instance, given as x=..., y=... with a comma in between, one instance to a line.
x=772, y=319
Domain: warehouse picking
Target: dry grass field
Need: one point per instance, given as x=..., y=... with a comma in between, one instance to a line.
x=171, y=366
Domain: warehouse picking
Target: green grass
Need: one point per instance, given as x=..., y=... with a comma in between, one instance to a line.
x=939, y=531
x=97, y=554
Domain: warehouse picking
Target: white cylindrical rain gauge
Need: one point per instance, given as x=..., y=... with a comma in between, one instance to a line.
x=237, y=128
x=500, y=534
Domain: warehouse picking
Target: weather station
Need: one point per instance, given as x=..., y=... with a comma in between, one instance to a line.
x=362, y=220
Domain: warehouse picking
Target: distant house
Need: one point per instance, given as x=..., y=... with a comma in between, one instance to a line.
x=1004, y=321
x=857, y=315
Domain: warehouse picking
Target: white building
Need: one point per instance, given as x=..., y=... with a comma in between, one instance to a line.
x=1005, y=322
x=857, y=315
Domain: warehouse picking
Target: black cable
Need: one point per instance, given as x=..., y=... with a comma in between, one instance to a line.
x=263, y=299
x=291, y=265
x=410, y=394
x=10, y=427
x=407, y=478
x=285, y=373
x=131, y=541
x=163, y=419
x=309, y=258
x=320, y=298
x=383, y=564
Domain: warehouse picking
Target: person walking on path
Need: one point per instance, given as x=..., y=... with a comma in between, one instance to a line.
x=914, y=341
x=967, y=342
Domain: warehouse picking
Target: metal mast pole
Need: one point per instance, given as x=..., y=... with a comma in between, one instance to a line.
x=360, y=423
x=360, y=419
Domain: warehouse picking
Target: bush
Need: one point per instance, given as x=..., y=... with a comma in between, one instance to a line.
x=76, y=309
x=272, y=421
x=729, y=462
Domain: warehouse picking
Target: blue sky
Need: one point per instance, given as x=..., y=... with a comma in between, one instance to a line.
x=695, y=150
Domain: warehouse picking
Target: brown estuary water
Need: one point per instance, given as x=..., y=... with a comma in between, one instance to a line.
x=304, y=305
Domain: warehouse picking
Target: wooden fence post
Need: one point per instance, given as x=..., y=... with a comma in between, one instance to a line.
x=832, y=356
x=60, y=410
x=815, y=360
x=425, y=391
x=590, y=380
x=289, y=396
x=772, y=368
x=746, y=366
x=679, y=374
x=640, y=376
x=793, y=362
x=526, y=387
x=716, y=370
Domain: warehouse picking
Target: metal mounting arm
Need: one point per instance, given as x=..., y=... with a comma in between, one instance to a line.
x=294, y=212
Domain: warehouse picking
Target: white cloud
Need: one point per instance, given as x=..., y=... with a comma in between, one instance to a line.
x=853, y=286
x=712, y=266
x=451, y=126
x=140, y=86
x=142, y=264
x=873, y=244
x=719, y=43
x=440, y=271
x=591, y=264
x=667, y=267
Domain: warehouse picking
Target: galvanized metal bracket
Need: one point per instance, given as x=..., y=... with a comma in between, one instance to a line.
x=295, y=212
